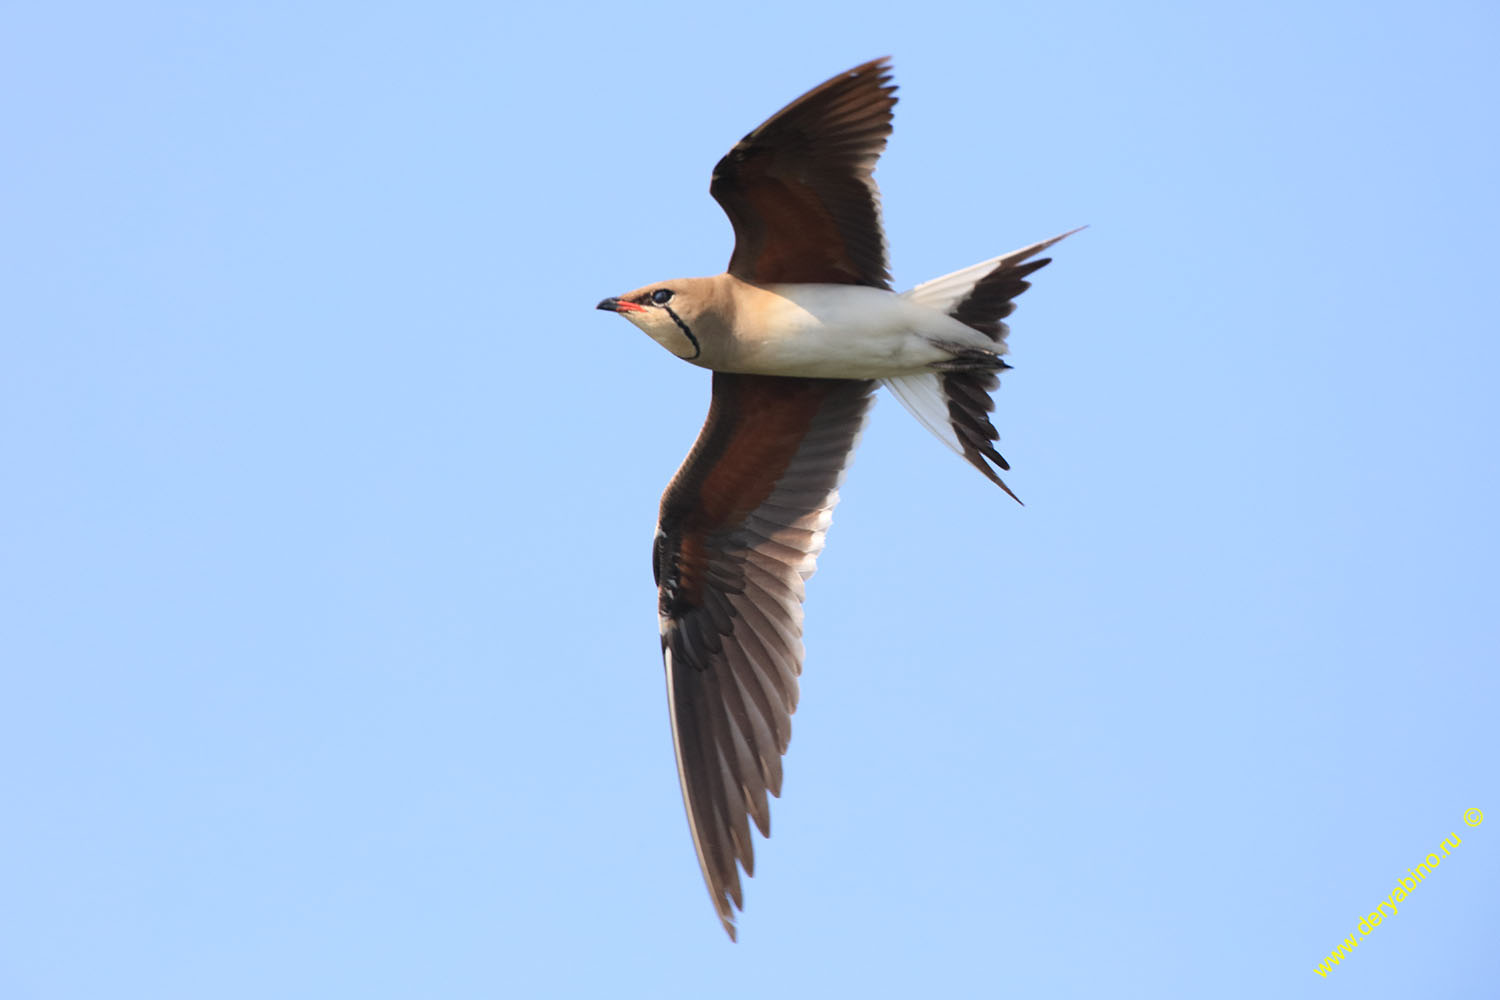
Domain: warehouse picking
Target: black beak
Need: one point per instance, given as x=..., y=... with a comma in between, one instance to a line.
x=615, y=305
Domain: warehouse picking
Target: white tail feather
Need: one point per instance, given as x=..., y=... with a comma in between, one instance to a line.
x=923, y=399
x=948, y=291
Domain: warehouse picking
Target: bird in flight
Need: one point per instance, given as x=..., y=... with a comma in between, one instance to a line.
x=798, y=333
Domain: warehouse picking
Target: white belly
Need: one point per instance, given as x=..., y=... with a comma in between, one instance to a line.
x=840, y=331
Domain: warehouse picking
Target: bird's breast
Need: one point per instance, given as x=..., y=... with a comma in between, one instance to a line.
x=831, y=331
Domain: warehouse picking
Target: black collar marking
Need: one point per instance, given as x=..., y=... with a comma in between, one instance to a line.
x=697, y=348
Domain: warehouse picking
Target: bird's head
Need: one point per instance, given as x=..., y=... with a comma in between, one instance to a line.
x=675, y=314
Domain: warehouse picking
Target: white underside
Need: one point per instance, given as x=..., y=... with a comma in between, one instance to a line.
x=847, y=331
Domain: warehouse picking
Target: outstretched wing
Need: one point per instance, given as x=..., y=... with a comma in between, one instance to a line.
x=800, y=191
x=740, y=531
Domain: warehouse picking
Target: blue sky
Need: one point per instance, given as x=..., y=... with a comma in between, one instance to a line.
x=326, y=619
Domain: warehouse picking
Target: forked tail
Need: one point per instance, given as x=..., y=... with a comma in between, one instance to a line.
x=955, y=406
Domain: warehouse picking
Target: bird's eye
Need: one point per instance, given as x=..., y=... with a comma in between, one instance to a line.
x=661, y=296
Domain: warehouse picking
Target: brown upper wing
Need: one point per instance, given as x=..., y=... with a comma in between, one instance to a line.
x=799, y=189
x=740, y=530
